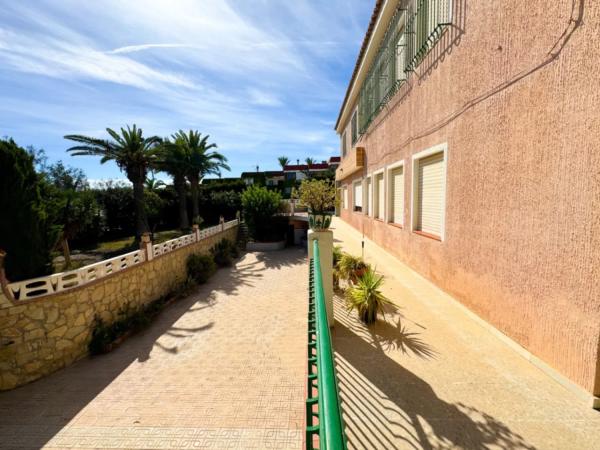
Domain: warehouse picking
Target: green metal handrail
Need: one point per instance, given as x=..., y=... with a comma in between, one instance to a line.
x=321, y=370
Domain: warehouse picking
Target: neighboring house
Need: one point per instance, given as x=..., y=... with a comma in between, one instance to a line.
x=469, y=144
x=274, y=177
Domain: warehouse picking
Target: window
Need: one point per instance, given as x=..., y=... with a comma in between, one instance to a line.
x=357, y=194
x=354, y=128
x=412, y=31
x=429, y=192
x=345, y=197
x=290, y=176
x=396, y=194
x=343, y=144
x=379, y=196
x=367, y=195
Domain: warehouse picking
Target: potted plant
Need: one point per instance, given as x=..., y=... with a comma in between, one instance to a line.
x=319, y=197
x=351, y=268
x=366, y=297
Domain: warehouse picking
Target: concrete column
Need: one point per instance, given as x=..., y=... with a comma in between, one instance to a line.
x=146, y=246
x=325, y=239
x=222, y=222
x=196, y=231
x=4, y=290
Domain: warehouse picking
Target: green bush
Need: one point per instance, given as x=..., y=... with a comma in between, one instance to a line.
x=200, y=267
x=25, y=232
x=224, y=252
x=260, y=205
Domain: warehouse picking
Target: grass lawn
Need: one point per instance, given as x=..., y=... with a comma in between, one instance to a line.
x=126, y=243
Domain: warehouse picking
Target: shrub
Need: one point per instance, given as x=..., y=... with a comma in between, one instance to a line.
x=366, y=297
x=260, y=205
x=25, y=233
x=317, y=195
x=200, y=267
x=223, y=252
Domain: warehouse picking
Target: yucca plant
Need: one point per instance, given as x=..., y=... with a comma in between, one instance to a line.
x=351, y=268
x=366, y=297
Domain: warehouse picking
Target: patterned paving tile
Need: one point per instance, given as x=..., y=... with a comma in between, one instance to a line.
x=224, y=368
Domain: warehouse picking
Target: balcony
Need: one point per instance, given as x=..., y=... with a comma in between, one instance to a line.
x=351, y=163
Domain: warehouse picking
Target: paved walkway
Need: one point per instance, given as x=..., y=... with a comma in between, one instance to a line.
x=224, y=368
x=431, y=377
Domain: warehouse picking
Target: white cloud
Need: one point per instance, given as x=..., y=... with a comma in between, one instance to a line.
x=263, y=98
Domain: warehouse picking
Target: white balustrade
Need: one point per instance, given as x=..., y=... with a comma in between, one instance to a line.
x=58, y=282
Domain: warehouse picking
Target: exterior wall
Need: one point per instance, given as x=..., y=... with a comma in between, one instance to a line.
x=512, y=89
x=43, y=335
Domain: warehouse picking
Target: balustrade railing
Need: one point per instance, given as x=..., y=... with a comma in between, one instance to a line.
x=58, y=282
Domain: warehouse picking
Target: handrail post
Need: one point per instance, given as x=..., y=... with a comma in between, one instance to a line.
x=325, y=244
x=146, y=246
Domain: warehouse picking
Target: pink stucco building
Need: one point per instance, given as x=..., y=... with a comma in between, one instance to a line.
x=470, y=150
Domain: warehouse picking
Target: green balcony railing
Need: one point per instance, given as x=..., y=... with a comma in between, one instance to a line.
x=324, y=424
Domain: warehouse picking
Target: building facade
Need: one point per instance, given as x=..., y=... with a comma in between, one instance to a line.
x=469, y=143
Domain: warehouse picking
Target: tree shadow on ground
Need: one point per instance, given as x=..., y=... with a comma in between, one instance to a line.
x=282, y=258
x=35, y=413
x=387, y=406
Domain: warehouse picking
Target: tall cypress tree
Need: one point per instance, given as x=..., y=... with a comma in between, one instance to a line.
x=24, y=234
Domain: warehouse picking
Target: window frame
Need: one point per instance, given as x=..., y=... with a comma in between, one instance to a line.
x=389, y=193
x=344, y=144
x=354, y=207
x=376, y=194
x=440, y=148
x=366, y=199
x=345, y=196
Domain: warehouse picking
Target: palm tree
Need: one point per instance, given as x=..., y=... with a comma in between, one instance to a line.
x=133, y=153
x=201, y=162
x=283, y=161
x=153, y=184
x=174, y=160
x=309, y=162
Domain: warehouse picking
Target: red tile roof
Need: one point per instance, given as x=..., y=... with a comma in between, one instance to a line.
x=294, y=167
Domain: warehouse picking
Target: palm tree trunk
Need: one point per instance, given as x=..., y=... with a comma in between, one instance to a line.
x=179, y=183
x=194, y=182
x=141, y=220
x=66, y=251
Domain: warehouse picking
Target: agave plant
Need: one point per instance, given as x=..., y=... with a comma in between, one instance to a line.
x=366, y=297
x=351, y=268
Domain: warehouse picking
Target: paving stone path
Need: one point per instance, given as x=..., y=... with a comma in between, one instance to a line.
x=223, y=368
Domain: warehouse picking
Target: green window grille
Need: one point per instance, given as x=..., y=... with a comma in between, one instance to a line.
x=412, y=31
x=426, y=20
x=354, y=128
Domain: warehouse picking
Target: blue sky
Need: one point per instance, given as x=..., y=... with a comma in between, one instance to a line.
x=263, y=77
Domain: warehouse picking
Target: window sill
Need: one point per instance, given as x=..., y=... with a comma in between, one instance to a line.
x=396, y=225
x=427, y=235
x=378, y=219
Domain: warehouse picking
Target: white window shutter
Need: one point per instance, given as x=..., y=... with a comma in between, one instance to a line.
x=380, y=197
x=430, y=194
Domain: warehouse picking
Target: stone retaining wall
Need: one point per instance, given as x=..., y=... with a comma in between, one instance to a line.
x=42, y=335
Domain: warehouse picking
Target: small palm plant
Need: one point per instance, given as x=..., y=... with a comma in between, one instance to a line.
x=351, y=268
x=366, y=297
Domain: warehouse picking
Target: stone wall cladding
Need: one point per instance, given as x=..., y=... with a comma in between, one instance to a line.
x=514, y=95
x=40, y=336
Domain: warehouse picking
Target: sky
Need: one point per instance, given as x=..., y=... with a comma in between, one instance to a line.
x=263, y=78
